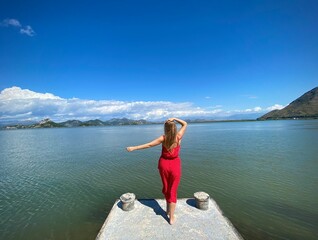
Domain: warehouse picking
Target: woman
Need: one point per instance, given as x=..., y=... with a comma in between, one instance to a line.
x=169, y=163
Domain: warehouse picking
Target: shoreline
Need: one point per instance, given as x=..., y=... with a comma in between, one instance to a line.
x=50, y=124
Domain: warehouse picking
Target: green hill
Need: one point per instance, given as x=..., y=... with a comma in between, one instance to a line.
x=303, y=107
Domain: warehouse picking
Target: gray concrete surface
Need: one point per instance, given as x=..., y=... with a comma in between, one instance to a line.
x=148, y=221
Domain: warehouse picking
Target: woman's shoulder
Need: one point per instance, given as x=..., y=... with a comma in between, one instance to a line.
x=179, y=136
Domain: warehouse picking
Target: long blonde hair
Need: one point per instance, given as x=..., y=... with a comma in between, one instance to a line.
x=171, y=132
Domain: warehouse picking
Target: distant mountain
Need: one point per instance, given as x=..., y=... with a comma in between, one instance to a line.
x=91, y=123
x=125, y=121
x=305, y=106
x=71, y=123
x=47, y=123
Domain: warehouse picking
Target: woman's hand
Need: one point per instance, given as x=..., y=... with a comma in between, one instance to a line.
x=130, y=149
x=170, y=119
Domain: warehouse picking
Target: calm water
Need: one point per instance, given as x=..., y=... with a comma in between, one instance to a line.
x=61, y=183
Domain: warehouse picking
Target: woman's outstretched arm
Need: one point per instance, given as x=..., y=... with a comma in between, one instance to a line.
x=153, y=143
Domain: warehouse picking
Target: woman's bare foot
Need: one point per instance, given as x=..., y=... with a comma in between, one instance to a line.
x=172, y=220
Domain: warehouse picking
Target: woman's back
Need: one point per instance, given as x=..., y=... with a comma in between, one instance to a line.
x=173, y=151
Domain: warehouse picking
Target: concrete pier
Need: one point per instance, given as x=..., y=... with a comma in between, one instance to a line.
x=148, y=221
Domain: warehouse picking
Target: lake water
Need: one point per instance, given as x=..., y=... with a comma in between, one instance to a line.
x=62, y=183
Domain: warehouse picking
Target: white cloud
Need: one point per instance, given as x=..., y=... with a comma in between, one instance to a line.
x=10, y=22
x=259, y=109
x=214, y=107
x=275, y=107
x=24, y=104
x=255, y=109
x=18, y=93
x=27, y=30
x=17, y=103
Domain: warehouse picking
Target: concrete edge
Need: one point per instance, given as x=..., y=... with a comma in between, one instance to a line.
x=236, y=232
x=111, y=212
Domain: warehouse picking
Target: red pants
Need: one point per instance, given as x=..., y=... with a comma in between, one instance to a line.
x=170, y=172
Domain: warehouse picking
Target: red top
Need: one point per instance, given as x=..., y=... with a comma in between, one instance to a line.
x=173, y=153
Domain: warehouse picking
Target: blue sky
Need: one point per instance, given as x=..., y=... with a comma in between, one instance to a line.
x=154, y=59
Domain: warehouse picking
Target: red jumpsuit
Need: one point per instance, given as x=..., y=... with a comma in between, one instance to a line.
x=170, y=171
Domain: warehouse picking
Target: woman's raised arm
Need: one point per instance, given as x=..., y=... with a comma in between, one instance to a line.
x=183, y=123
